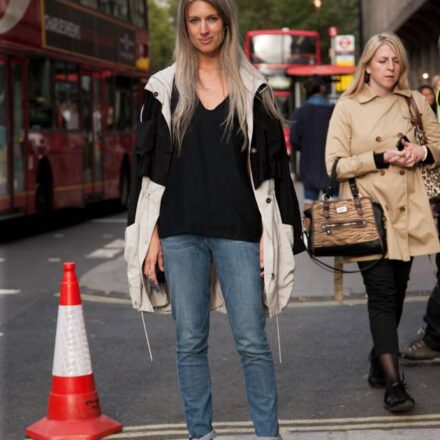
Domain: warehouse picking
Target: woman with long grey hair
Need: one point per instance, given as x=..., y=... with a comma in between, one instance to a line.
x=213, y=220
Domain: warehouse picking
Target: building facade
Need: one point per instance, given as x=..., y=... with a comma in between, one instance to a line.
x=417, y=23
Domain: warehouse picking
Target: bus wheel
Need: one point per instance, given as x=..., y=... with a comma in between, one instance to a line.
x=124, y=185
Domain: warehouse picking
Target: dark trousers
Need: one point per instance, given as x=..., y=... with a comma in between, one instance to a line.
x=432, y=315
x=385, y=284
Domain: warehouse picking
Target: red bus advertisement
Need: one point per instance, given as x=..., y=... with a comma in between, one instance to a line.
x=71, y=81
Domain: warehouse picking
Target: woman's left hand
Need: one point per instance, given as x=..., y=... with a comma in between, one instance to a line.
x=262, y=256
x=414, y=154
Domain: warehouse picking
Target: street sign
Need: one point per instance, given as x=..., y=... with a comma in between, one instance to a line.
x=344, y=44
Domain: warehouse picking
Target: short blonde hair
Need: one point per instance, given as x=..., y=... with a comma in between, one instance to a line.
x=373, y=44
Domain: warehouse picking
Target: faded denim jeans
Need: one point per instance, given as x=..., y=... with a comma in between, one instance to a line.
x=188, y=260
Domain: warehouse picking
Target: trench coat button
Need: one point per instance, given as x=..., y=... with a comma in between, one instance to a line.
x=382, y=172
x=378, y=139
x=268, y=200
x=155, y=94
x=273, y=276
x=253, y=150
x=402, y=209
x=402, y=172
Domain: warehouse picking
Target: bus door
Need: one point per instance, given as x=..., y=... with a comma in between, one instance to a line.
x=92, y=88
x=12, y=135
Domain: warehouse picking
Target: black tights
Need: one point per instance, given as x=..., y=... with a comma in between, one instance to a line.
x=386, y=284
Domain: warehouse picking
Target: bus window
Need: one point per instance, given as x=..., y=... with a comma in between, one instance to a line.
x=137, y=12
x=3, y=141
x=40, y=108
x=66, y=96
x=110, y=101
x=18, y=131
x=116, y=8
x=123, y=103
x=90, y=3
x=283, y=49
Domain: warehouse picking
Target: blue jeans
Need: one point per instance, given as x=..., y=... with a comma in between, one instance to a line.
x=188, y=259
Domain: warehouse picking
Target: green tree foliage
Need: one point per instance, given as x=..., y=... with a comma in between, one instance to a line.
x=162, y=35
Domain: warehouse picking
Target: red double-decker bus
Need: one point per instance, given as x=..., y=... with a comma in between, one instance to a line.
x=71, y=80
x=274, y=51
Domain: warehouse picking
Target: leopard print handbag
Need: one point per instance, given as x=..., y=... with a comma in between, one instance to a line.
x=431, y=176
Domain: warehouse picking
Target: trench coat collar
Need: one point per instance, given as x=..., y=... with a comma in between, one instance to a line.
x=367, y=95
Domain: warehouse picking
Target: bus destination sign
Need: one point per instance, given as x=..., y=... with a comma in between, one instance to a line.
x=72, y=29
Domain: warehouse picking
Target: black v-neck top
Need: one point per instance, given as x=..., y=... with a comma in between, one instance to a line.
x=208, y=191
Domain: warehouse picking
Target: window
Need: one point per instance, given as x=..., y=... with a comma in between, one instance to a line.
x=283, y=49
x=40, y=106
x=90, y=3
x=116, y=8
x=66, y=96
x=137, y=13
x=123, y=103
x=3, y=140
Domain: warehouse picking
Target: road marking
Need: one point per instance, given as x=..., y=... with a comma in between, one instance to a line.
x=109, y=220
x=104, y=253
x=54, y=260
x=9, y=291
x=104, y=299
x=295, y=425
x=115, y=244
x=309, y=302
x=293, y=304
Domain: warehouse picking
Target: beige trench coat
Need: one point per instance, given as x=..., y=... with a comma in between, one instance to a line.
x=367, y=124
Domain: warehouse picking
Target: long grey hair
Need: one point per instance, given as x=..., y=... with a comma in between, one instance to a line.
x=232, y=60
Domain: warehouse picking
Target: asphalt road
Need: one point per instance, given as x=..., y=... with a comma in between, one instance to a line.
x=322, y=377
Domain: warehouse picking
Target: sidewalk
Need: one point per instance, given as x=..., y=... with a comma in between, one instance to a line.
x=408, y=434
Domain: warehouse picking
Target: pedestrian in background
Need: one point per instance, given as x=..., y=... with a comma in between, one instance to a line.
x=216, y=209
x=308, y=134
x=436, y=87
x=426, y=345
x=428, y=92
x=363, y=132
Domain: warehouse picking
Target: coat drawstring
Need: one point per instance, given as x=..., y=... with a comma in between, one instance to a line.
x=279, y=340
x=146, y=336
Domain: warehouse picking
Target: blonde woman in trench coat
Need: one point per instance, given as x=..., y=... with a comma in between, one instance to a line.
x=364, y=130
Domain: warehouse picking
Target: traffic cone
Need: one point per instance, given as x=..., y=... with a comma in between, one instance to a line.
x=73, y=411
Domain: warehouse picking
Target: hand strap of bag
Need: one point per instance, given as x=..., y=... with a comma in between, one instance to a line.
x=416, y=117
x=332, y=185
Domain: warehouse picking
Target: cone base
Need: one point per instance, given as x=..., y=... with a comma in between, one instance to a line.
x=88, y=429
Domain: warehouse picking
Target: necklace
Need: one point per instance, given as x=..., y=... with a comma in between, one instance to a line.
x=208, y=90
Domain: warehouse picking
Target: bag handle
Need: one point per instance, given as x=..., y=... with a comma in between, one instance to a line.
x=416, y=117
x=332, y=184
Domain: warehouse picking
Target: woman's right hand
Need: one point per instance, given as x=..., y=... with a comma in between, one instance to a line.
x=154, y=257
x=404, y=158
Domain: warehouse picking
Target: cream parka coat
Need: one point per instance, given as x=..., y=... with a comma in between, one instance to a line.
x=365, y=124
x=279, y=260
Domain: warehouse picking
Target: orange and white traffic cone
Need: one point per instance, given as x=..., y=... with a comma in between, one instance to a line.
x=73, y=412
